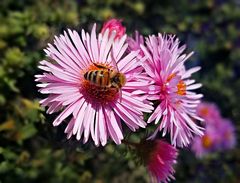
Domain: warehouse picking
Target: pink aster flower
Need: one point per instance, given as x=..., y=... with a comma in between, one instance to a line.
x=172, y=88
x=209, y=112
x=161, y=161
x=114, y=25
x=159, y=158
x=73, y=79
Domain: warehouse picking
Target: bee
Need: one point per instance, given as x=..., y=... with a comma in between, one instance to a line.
x=105, y=77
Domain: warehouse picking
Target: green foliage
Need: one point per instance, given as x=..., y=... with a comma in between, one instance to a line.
x=31, y=150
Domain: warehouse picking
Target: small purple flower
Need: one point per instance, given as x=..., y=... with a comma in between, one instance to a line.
x=209, y=112
x=227, y=134
x=219, y=134
x=209, y=142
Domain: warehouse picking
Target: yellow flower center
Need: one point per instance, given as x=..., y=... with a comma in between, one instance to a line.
x=181, y=86
x=204, y=111
x=207, y=141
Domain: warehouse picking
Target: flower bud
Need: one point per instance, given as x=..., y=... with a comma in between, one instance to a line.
x=159, y=158
x=114, y=25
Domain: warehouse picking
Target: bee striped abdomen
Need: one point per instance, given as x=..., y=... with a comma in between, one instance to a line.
x=93, y=77
x=98, y=77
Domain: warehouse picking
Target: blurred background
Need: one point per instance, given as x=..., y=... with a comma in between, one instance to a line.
x=31, y=150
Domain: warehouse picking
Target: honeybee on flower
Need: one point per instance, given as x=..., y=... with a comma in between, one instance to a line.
x=107, y=78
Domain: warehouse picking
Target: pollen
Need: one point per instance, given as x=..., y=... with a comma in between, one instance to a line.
x=207, y=141
x=92, y=67
x=170, y=77
x=181, y=88
x=204, y=111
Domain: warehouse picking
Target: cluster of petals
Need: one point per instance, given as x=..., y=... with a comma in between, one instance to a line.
x=155, y=73
x=172, y=89
x=62, y=79
x=135, y=42
x=219, y=134
x=161, y=158
x=209, y=112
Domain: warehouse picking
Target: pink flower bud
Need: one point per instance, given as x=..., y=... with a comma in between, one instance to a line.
x=114, y=25
x=159, y=158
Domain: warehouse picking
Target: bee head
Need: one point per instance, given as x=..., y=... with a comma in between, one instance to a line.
x=119, y=79
x=122, y=79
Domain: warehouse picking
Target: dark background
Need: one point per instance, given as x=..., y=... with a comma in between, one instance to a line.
x=31, y=150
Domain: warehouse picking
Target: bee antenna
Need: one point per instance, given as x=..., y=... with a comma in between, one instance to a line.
x=114, y=61
x=115, y=65
x=120, y=95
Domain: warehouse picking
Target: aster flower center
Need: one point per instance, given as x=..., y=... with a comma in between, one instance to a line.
x=181, y=86
x=204, y=111
x=206, y=141
x=101, y=83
